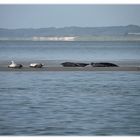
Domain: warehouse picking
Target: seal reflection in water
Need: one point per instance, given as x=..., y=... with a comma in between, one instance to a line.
x=14, y=65
x=36, y=65
x=103, y=64
x=72, y=64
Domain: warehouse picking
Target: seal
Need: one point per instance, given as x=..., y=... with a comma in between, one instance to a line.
x=14, y=65
x=72, y=64
x=103, y=64
x=36, y=65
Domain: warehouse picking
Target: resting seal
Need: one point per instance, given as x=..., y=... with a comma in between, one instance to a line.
x=103, y=64
x=14, y=65
x=36, y=65
x=72, y=64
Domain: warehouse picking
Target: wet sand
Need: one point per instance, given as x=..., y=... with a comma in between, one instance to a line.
x=72, y=69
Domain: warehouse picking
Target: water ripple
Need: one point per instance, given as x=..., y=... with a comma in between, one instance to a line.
x=90, y=103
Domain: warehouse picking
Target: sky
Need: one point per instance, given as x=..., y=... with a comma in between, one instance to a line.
x=43, y=16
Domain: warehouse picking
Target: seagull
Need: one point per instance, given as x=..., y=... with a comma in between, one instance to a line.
x=36, y=65
x=14, y=65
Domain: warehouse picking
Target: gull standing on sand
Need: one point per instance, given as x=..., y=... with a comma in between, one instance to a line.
x=14, y=65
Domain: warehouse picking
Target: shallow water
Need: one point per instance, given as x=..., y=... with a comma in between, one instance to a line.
x=69, y=103
x=87, y=51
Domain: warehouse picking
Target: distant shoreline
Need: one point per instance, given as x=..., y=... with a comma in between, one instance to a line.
x=73, y=33
x=97, y=38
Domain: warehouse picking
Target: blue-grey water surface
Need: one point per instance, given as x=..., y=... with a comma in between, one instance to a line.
x=88, y=51
x=69, y=103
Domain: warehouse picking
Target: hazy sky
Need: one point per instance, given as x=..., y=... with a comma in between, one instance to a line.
x=41, y=16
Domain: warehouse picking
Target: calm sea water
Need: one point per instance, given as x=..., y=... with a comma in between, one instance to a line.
x=26, y=50
x=70, y=103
